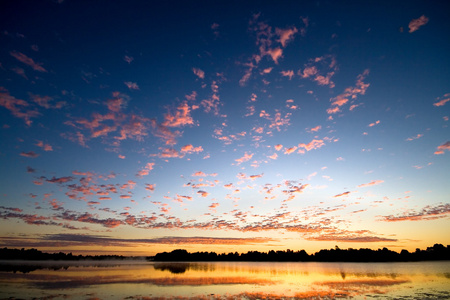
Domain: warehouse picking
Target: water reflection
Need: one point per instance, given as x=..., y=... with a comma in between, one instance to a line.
x=225, y=280
x=182, y=267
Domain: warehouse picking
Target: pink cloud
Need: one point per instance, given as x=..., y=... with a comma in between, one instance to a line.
x=164, y=133
x=289, y=74
x=286, y=35
x=131, y=85
x=253, y=177
x=128, y=59
x=415, y=137
x=309, y=71
x=373, y=182
x=275, y=54
x=181, y=117
x=333, y=110
x=146, y=170
x=278, y=147
x=415, y=24
x=315, y=129
x=203, y=193
x=213, y=206
x=342, y=194
x=45, y=101
x=191, y=149
x=443, y=147
x=63, y=179
x=213, y=102
x=150, y=187
x=28, y=61
x=198, y=73
x=290, y=150
x=30, y=154
x=244, y=158
x=374, y=123
x=46, y=147
x=442, y=100
x=325, y=80
x=278, y=121
x=20, y=72
x=314, y=144
x=429, y=212
x=199, y=173
x=273, y=156
x=17, y=106
x=349, y=94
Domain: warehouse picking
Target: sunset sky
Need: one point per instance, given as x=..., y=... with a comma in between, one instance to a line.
x=135, y=127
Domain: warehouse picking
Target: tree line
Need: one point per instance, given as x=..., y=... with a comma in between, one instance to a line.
x=34, y=254
x=436, y=252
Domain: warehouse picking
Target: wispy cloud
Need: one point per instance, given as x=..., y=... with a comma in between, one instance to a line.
x=443, y=147
x=350, y=94
x=373, y=182
x=374, y=123
x=30, y=154
x=199, y=73
x=286, y=35
x=131, y=85
x=128, y=59
x=28, y=61
x=342, y=194
x=244, y=158
x=146, y=170
x=418, y=136
x=429, y=212
x=18, y=107
x=442, y=100
x=415, y=24
x=45, y=147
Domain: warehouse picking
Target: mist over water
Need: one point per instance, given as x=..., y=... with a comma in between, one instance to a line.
x=224, y=280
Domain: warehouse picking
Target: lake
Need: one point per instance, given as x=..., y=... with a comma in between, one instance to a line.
x=224, y=280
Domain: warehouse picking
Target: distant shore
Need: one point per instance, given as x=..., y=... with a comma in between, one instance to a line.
x=436, y=252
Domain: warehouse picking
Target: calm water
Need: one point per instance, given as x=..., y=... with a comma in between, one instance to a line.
x=226, y=280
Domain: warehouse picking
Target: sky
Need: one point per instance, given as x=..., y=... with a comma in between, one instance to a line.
x=136, y=127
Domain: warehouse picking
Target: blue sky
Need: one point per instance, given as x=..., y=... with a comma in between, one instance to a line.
x=200, y=125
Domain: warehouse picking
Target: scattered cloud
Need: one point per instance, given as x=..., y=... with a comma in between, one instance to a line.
x=418, y=136
x=199, y=73
x=286, y=35
x=146, y=170
x=18, y=107
x=415, y=24
x=373, y=182
x=28, y=61
x=442, y=100
x=374, y=123
x=30, y=154
x=128, y=59
x=244, y=158
x=429, y=212
x=45, y=147
x=350, y=94
x=443, y=147
x=342, y=194
x=131, y=85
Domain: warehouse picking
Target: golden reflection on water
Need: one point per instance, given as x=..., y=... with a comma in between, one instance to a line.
x=229, y=280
